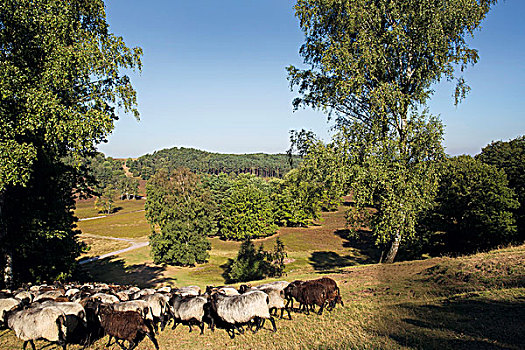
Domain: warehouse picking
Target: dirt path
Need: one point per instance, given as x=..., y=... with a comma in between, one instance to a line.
x=105, y=216
x=133, y=245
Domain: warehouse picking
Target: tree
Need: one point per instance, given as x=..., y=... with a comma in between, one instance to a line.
x=473, y=208
x=254, y=264
x=247, y=211
x=510, y=156
x=372, y=66
x=104, y=201
x=184, y=212
x=60, y=86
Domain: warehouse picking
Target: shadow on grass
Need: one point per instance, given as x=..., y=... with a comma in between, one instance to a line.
x=114, y=270
x=328, y=262
x=363, y=242
x=464, y=324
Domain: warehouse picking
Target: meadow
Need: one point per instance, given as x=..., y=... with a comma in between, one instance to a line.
x=470, y=302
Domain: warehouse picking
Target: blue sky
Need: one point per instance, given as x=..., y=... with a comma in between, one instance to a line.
x=214, y=78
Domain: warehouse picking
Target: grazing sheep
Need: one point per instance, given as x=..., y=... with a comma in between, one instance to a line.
x=189, y=310
x=49, y=295
x=334, y=294
x=25, y=297
x=125, y=325
x=276, y=300
x=291, y=292
x=142, y=292
x=159, y=306
x=47, y=323
x=226, y=290
x=311, y=293
x=165, y=289
x=275, y=285
x=190, y=290
x=6, y=305
x=105, y=298
x=238, y=310
x=140, y=306
x=76, y=321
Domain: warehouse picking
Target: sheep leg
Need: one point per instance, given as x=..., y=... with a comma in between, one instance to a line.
x=132, y=345
x=175, y=324
x=151, y=337
x=109, y=341
x=273, y=324
x=321, y=310
x=201, y=326
x=189, y=325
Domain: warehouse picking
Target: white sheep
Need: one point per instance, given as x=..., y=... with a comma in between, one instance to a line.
x=75, y=315
x=159, y=306
x=47, y=323
x=188, y=310
x=8, y=304
x=140, y=306
x=238, y=310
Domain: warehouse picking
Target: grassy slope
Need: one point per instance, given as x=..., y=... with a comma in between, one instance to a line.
x=474, y=302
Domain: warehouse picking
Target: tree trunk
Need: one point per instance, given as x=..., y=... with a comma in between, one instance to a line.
x=394, y=247
x=7, y=270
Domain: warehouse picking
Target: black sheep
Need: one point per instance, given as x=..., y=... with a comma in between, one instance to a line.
x=125, y=325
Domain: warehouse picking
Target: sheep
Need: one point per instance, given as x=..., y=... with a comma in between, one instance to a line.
x=226, y=290
x=165, y=289
x=291, y=291
x=25, y=297
x=276, y=300
x=105, y=298
x=280, y=285
x=190, y=290
x=189, y=309
x=159, y=306
x=240, y=309
x=47, y=323
x=49, y=295
x=142, y=292
x=276, y=297
x=6, y=305
x=94, y=329
x=334, y=294
x=140, y=306
x=75, y=317
x=309, y=293
x=125, y=325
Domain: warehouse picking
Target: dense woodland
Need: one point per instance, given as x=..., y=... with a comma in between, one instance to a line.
x=259, y=164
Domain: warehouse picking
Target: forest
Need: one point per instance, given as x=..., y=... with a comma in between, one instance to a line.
x=260, y=164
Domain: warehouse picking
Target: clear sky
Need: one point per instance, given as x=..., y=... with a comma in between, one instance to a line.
x=214, y=78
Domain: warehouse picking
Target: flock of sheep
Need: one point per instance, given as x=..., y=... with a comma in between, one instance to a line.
x=81, y=314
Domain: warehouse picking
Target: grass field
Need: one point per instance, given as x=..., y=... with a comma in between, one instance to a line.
x=471, y=302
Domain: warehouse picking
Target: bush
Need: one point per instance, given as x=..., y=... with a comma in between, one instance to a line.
x=255, y=264
x=473, y=209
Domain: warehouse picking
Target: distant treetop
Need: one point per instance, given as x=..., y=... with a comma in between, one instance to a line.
x=260, y=164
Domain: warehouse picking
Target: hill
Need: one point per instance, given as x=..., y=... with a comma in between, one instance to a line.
x=261, y=164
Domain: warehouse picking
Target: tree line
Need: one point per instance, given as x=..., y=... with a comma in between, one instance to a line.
x=259, y=164
x=184, y=208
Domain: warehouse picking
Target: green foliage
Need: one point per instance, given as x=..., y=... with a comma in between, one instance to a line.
x=60, y=84
x=247, y=211
x=39, y=217
x=184, y=211
x=372, y=66
x=473, y=209
x=105, y=200
x=61, y=81
x=255, y=264
x=265, y=165
x=510, y=156
x=398, y=185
